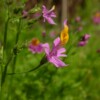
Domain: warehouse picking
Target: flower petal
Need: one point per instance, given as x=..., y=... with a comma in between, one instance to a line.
x=31, y=48
x=39, y=48
x=65, y=22
x=44, y=10
x=48, y=15
x=57, y=62
x=56, y=42
x=53, y=15
x=64, y=36
x=50, y=20
x=36, y=49
x=86, y=37
x=82, y=43
x=46, y=48
x=60, y=52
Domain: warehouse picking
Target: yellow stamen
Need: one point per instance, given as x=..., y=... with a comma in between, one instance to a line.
x=35, y=42
x=64, y=36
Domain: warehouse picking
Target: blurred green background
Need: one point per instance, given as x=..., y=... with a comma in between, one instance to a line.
x=80, y=80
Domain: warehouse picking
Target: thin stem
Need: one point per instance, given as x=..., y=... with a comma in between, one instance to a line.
x=25, y=71
x=17, y=38
x=3, y=75
x=4, y=43
x=5, y=35
x=13, y=54
x=5, y=70
x=18, y=31
x=15, y=58
x=4, y=49
x=5, y=32
x=42, y=62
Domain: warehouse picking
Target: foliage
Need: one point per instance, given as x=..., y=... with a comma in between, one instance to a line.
x=79, y=81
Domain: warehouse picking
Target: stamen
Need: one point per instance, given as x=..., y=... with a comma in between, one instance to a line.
x=35, y=42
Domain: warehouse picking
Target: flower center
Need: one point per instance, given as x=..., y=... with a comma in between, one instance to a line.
x=53, y=53
x=97, y=14
x=35, y=42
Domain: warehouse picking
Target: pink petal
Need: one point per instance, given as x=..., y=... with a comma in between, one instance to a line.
x=56, y=42
x=60, y=51
x=35, y=49
x=46, y=48
x=50, y=20
x=53, y=14
x=44, y=9
x=39, y=48
x=87, y=36
x=65, y=22
x=31, y=48
x=57, y=62
x=82, y=43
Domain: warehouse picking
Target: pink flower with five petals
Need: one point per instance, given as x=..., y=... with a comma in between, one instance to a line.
x=48, y=14
x=54, y=55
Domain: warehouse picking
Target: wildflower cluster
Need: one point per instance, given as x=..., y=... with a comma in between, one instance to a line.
x=40, y=46
x=58, y=50
x=53, y=55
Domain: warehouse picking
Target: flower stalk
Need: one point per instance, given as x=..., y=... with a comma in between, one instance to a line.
x=42, y=62
x=5, y=70
x=17, y=38
x=4, y=47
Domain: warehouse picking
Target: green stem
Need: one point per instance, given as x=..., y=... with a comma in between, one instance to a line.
x=42, y=62
x=17, y=38
x=5, y=31
x=5, y=37
x=4, y=45
x=15, y=58
x=26, y=71
x=18, y=31
x=5, y=70
x=3, y=75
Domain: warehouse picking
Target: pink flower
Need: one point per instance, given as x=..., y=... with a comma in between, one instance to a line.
x=82, y=43
x=54, y=55
x=80, y=28
x=86, y=37
x=35, y=46
x=78, y=19
x=52, y=34
x=24, y=13
x=84, y=40
x=96, y=18
x=48, y=14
